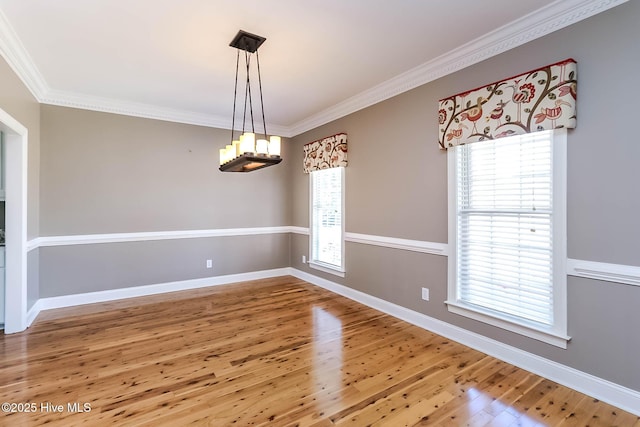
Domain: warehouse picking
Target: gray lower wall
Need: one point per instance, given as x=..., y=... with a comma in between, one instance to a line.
x=405, y=196
x=76, y=269
x=33, y=277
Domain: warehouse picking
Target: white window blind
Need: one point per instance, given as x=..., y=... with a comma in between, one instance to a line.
x=326, y=217
x=504, y=227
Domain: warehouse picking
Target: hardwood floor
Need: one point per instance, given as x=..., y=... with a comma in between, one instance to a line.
x=271, y=352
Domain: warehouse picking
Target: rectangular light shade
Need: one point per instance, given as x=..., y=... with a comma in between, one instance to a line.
x=247, y=143
x=274, y=145
x=262, y=146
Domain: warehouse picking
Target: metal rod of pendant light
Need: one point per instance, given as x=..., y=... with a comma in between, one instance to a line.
x=246, y=90
x=248, y=62
x=264, y=122
x=235, y=96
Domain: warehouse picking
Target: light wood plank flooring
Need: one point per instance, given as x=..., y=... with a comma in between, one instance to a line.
x=270, y=352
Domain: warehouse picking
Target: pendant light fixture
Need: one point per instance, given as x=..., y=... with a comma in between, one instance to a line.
x=247, y=154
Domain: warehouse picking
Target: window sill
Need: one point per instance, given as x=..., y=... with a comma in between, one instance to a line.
x=326, y=268
x=548, y=336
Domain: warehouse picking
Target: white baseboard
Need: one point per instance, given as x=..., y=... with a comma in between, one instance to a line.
x=138, y=291
x=614, y=394
x=33, y=312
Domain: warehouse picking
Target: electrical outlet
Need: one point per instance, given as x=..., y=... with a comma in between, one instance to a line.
x=209, y=263
x=425, y=294
x=304, y=259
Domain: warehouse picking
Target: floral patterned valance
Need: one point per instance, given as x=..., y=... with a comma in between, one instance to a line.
x=541, y=99
x=329, y=152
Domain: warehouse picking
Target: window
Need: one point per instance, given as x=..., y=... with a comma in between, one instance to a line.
x=507, y=234
x=327, y=223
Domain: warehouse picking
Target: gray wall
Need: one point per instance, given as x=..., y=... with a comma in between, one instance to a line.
x=33, y=277
x=407, y=197
x=105, y=173
x=69, y=270
x=17, y=101
x=94, y=173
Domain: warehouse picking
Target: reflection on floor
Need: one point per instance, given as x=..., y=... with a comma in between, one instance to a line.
x=271, y=352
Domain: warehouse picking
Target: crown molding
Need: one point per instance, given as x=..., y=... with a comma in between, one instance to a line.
x=555, y=16
x=14, y=52
x=18, y=58
x=129, y=108
x=147, y=111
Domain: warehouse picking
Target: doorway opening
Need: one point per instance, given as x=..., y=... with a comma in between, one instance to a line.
x=15, y=162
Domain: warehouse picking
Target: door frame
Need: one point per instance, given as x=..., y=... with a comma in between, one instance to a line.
x=16, y=165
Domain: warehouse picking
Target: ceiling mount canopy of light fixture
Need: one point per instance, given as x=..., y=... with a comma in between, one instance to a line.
x=247, y=154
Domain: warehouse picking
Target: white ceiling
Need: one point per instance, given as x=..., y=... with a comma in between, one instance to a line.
x=170, y=59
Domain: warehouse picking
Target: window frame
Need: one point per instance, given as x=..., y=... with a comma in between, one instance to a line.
x=313, y=262
x=555, y=334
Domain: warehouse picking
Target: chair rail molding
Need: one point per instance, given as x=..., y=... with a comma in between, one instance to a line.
x=618, y=273
x=91, y=239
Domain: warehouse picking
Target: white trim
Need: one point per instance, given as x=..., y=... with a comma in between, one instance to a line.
x=560, y=236
x=138, y=291
x=396, y=243
x=299, y=230
x=626, y=274
x=557, y=334
x=552, y=337
x=548, y=19
x=14, y=52
x=16, y=167
x=33, y=312
x=326, y=268
x=313, y=263
x=614, y=394
x=90, y=239
x=617, y=273
x=552, y=17
x=33, y=244
x=369, y=239
x=452, y=233
x=145, y=111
